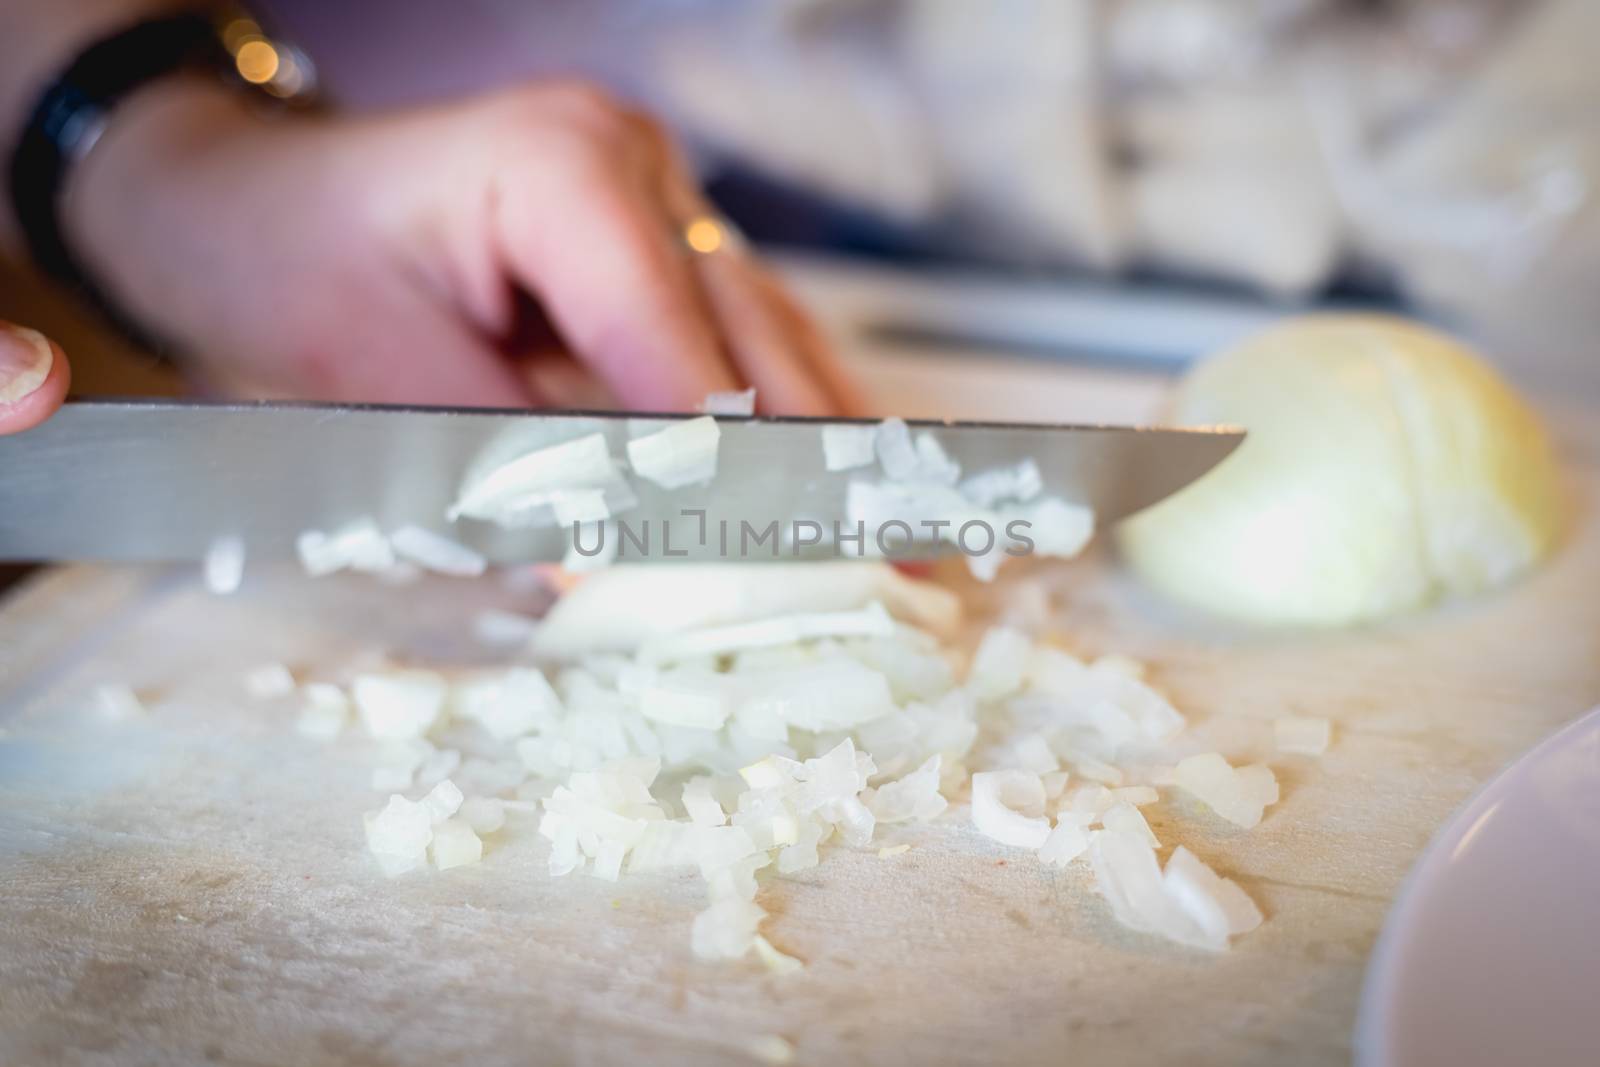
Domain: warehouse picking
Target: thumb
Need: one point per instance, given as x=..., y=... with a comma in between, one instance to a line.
x=33, y=378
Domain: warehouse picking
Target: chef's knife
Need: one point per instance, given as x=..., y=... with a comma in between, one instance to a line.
x=159, y=480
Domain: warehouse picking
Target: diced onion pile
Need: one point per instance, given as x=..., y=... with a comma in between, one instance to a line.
x=787, y=710
x=739, y=721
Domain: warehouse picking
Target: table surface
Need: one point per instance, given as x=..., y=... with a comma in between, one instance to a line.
x=192, y=885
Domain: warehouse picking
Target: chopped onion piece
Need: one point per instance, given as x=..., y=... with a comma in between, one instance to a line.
x=1067, y=841
x=685, y=453
x=1137, y=795
x=358, y=545
x=399, y=834
x=700, y=804
x=1009, y=807
x=896, y=452
x=1127, y=819
x=777, y=962
x=269, y=681
x=495, y=627
x=1217, y=904
x=1238, y=795
x=726, y=930
x=999, y=664
x=522, y=491
x=224, y=565
x=741, y=402
x=771, y=1048
x=892, y=851
x=579, y=505
x=454, y=844
x=507, y=704
x=916, y=796
x=1056, y=527
x=846, y=446
x=624, y=606
x=1306, y=736
x=870, y=621
x=933, y=464
x=836, y=694
x=436, y=552
x=1019, y=483
x=442, y=801
x=399, y=704
x=484, y=814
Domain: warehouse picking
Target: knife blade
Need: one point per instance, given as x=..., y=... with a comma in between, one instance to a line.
x=132, y=480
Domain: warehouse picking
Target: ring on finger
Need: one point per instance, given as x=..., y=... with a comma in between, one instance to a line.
x=707, y=234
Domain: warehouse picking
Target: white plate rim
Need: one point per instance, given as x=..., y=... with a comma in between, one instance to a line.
x=1379, y=987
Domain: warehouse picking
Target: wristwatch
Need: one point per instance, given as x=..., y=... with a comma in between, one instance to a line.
x=74, y=109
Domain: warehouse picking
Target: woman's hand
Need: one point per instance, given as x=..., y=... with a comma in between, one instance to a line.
x=393, y=258
x=33, y=378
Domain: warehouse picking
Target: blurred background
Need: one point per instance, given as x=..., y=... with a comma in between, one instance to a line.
x=1119, y=183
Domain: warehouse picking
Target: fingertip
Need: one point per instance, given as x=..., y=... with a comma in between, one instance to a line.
x=33, y=403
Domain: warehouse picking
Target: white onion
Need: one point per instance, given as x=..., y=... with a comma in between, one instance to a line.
x=1236, y=794
x=399, y=834
x=1009, y=807
x=442, y=801
x=485, y=815
x=726, y=930
x=701, y=805
x=845, y=446
x=521, y=491
x=1127, y=819
x=507, y=704
x=325, y=711
x=436, y=552
x=358, y=545
x=454, y=844
x=623, y=606
x=812, y=696
x=1306, y=736
x=682, y=454
x=495, y=627
x=269, y=681
x=828, y=695
x=1018, y=483
x=742, y=402
x=223, y=565
x=1386, y=467
x=579, y=506
x=998, y=666
x=915, y=796
x=1206, y=897
x=771, y=1048
x=777, y=962
x=869, y=621
x=1066, y=842
x=399, y=704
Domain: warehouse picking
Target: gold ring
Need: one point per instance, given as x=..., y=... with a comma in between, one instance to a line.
x=706, y=235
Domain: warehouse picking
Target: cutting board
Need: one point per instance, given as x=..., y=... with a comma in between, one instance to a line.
x=190, y=885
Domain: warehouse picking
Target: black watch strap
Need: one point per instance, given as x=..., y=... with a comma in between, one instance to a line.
x=72, y=112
